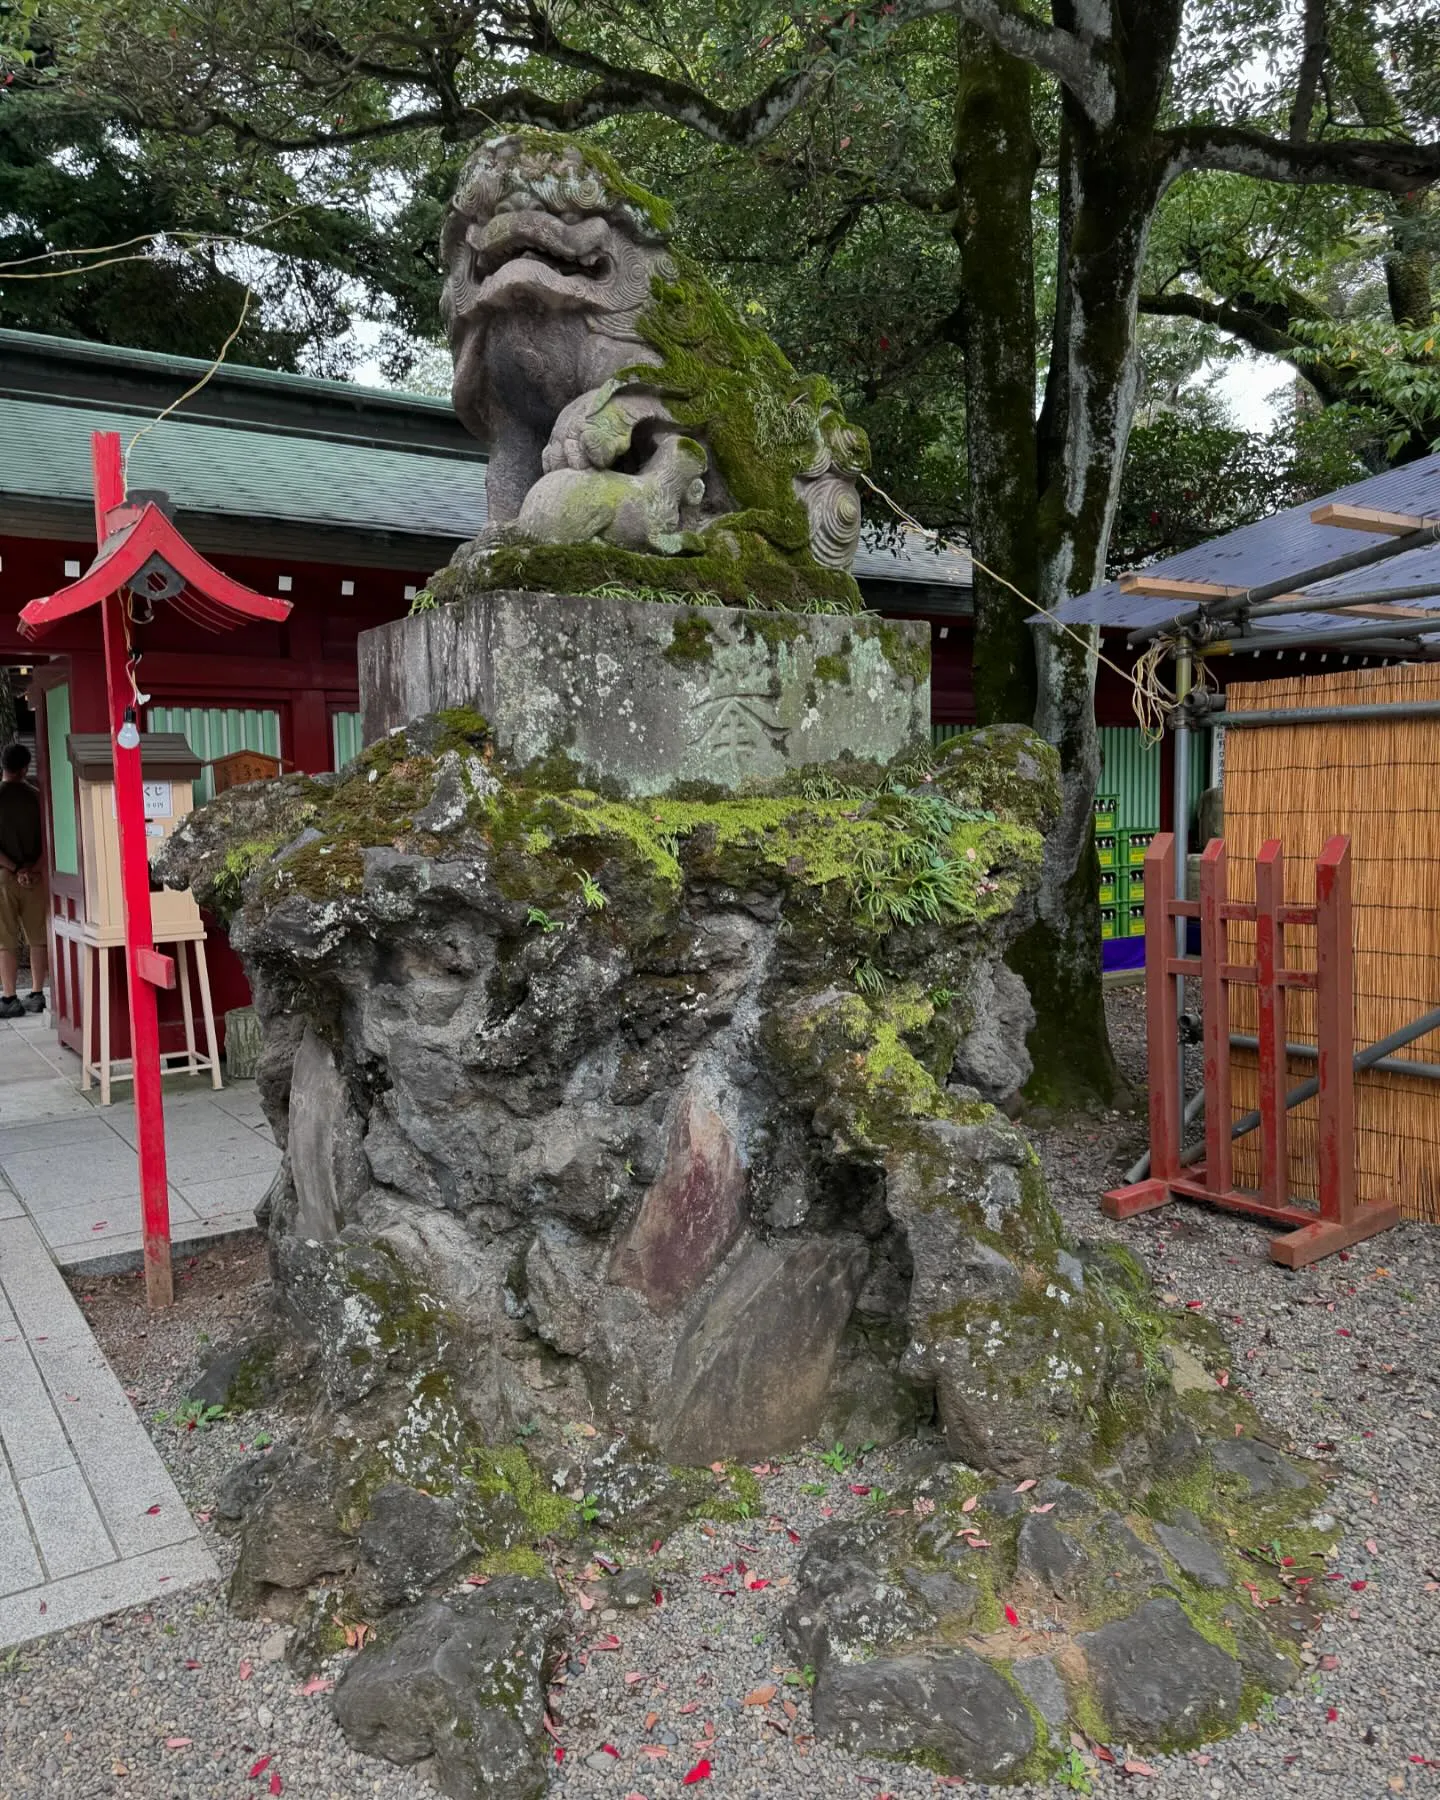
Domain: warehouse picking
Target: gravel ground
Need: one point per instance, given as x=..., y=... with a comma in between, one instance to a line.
x=1342, y=1357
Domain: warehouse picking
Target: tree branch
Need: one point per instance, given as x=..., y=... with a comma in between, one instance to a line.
x=1059, y=53
x=1252, y=328
x=1312, y=64
x=1388, y=165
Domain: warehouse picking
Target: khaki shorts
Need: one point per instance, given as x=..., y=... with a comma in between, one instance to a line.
x=23, y=911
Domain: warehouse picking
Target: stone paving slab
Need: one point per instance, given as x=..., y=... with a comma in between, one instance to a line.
x=69, y=1164
x=90, y=1520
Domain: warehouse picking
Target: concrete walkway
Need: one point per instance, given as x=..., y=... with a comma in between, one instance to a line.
x=89, y=1519
x=71, y=1161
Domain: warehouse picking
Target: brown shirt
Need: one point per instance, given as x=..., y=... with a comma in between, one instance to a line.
x=20, y=835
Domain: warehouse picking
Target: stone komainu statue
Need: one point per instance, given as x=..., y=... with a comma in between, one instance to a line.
x=639, y=431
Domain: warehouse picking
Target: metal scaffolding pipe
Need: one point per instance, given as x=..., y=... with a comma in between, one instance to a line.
x=1372, y=631
x=1378, y=1052
x=1389, y=1065
x=1275, y=609
x=1322, y=715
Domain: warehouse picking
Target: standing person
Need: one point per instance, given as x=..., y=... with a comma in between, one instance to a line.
x=24, y=897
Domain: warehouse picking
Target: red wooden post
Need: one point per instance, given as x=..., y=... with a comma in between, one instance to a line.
x=135, y=885
x=140, y=543
x=1335, y=1031
x=1269, y=965
x=1215, y=991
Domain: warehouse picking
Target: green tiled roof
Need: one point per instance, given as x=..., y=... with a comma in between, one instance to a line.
x=251, y=474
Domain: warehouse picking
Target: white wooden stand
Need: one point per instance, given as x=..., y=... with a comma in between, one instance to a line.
x=95, y=983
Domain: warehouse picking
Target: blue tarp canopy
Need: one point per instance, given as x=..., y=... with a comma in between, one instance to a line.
x=1286, y=544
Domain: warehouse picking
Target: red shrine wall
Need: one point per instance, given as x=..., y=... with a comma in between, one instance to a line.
x=303, y=670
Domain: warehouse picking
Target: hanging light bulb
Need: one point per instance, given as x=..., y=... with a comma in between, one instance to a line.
x=128, y=736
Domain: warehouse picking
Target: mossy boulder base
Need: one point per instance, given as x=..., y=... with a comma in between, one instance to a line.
x=631, y=1139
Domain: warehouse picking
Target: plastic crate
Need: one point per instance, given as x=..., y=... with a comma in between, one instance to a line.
x=1107, y=812
x=1109, y=890
x=1136, y=844
x=1133, y=882
x=1105, y=851
x=1109, y=922
x=1133, y=922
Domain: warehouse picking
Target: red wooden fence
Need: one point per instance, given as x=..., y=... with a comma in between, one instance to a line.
x=1340, y=1219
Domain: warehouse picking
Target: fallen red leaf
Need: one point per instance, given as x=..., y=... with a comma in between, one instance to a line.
x=701, y=1772
x=658, y=1597
x=317, y=1684
x=1358, y=1586
x=559, y=1753
x=654, y=1751
x=178, y=1743
x=792, y=1534
x=1329, y=1662
x=1133, y=1766
x=259, y=1768
x=277, y=1786
x=970, y=1504
x=690, y=1706
x=150, y=1511
x=610, y=1750
x=247, y=1669
x=858, y=1487
x=1011, y=1616
x=1332, y=1714
x=762, y=1696
x=1049, y=1506
x=1025, y=1486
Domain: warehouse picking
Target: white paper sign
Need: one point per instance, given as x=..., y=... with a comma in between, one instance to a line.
x=157, y=800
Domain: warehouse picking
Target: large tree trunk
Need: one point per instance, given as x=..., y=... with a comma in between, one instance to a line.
x=995, y=158
x=1111, y=182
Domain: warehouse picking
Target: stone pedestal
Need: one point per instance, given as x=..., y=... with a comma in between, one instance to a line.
x=642, y=697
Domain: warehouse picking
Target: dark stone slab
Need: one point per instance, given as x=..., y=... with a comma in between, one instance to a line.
x=951, y=1598
x=951, y=1704
x=1044, y=1551
x=690, y=1215
x=464, y=1684
x=750, y=1374
x=642, y=696
x=1194, y=1556
x=1040, y=1681
x=409, y=1541
x=844, y=1602
x=292, y=1534
x=1157, y=1680
x=1262, y=1466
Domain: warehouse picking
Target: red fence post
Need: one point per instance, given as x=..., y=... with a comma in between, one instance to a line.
x=1269, y=966
x=1335, y=1031
x=1215, y=992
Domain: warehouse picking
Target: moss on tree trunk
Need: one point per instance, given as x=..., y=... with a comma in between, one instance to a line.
x=995, y=157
